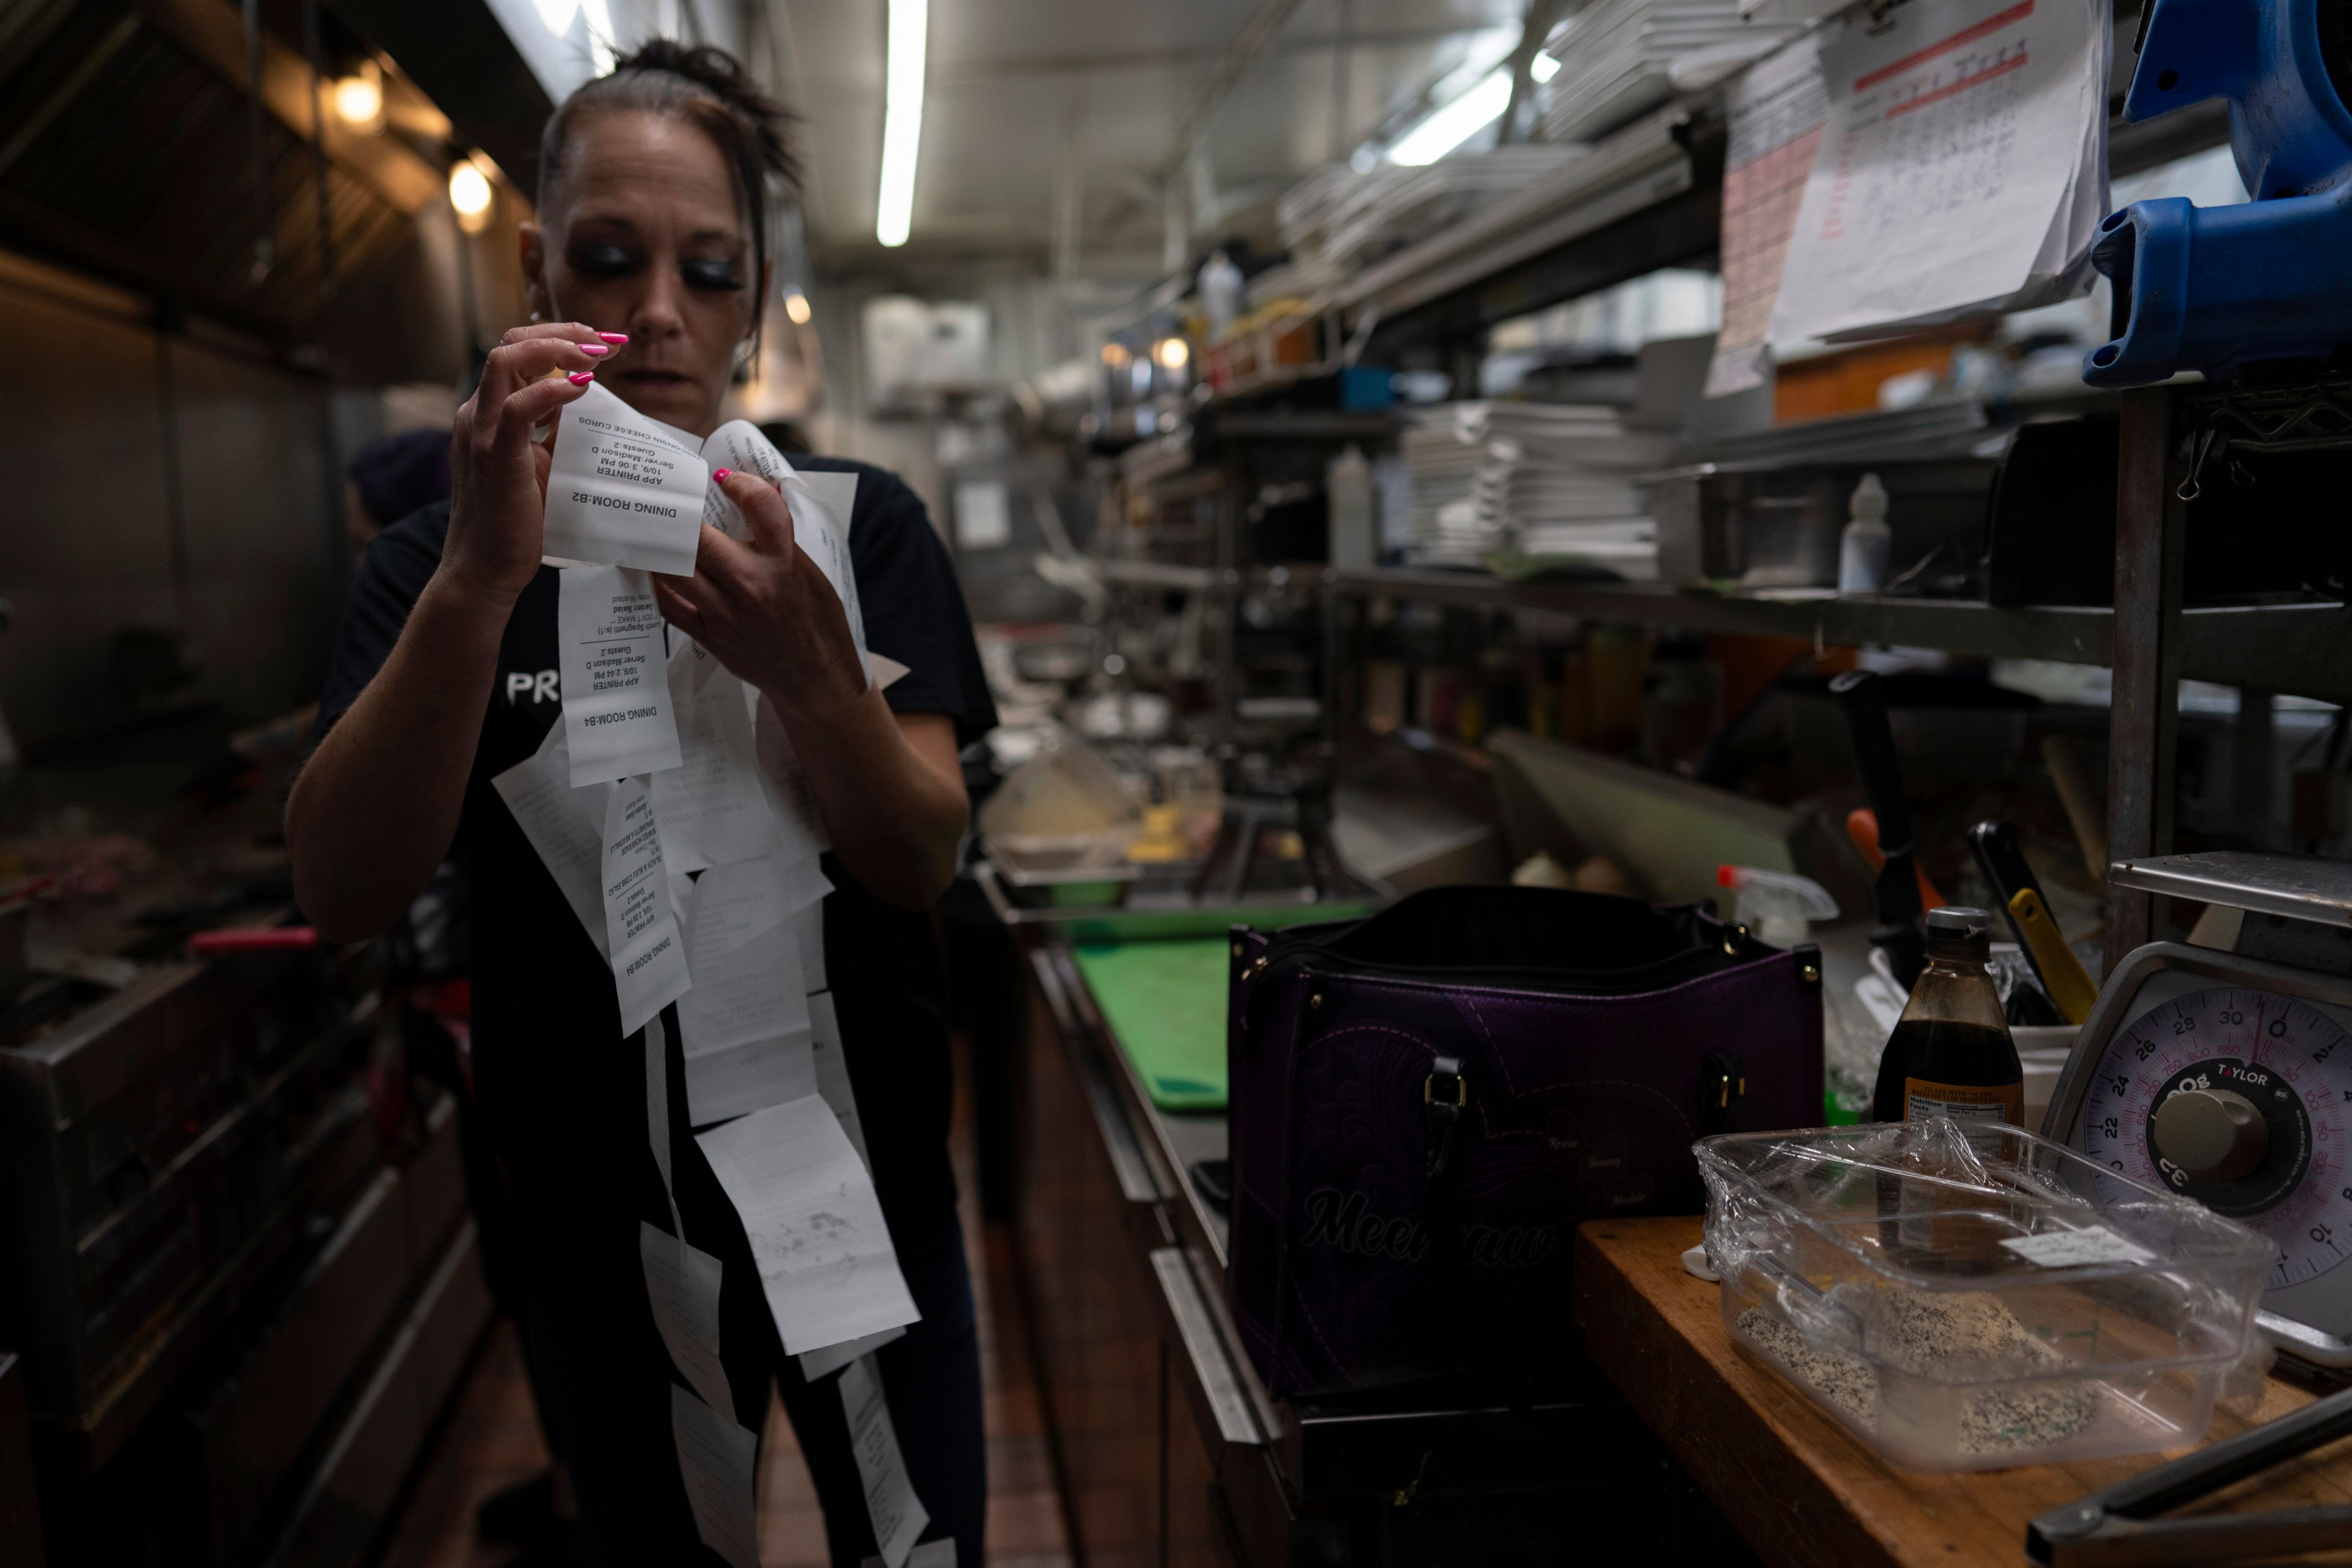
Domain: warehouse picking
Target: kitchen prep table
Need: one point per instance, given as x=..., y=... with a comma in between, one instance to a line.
x=1170, y=1448
x=1799, y=1487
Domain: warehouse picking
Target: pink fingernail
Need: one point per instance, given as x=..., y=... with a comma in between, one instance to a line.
x=615, y=337
x=581, y=377
x=722, y=475
x=595, y=348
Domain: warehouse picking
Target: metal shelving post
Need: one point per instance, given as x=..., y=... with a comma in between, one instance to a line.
x=2146, y=646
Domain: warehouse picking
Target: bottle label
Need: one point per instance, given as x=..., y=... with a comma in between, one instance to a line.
x=1964, y=1101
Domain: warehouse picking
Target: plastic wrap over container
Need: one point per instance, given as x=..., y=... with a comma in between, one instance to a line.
x=1963, y=1298
x=1058, y=829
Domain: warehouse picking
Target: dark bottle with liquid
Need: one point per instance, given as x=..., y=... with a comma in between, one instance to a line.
x=1950, y=1054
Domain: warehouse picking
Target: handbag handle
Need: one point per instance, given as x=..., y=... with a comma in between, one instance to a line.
x=1445, y=1095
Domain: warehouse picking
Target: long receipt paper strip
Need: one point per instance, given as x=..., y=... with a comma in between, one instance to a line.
x=669, y=811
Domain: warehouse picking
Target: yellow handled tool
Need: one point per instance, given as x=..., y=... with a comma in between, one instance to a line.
x=2069, y=983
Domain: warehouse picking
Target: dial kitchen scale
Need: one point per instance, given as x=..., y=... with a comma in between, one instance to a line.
x=2227, y=1076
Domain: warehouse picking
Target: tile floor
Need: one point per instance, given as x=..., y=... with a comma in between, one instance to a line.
x=491, y=1439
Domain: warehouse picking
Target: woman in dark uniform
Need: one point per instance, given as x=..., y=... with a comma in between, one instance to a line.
x=648, y=267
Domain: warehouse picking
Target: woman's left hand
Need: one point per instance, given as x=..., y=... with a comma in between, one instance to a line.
x=887, y=784
x=766, y=611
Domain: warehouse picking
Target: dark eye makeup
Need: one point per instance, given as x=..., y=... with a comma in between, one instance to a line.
x=716, y=275
x=603, y=260
x=720, y=275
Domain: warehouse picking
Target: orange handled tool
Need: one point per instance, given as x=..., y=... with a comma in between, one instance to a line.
x=1862, y=826
x=253, y=938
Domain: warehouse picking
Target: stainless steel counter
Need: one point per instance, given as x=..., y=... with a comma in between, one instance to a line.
x=239, y=1297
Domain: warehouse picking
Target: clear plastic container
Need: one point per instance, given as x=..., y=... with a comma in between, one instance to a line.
x=1970, y=1298
x=1064, y=811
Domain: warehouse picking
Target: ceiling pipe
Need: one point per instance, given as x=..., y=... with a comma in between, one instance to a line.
x=1247, y=44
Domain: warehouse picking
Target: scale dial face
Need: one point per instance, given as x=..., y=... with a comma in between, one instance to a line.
x=2291, y=1062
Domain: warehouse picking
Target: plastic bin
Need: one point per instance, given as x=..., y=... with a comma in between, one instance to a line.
x=1059, y=828
x=1967, y=1298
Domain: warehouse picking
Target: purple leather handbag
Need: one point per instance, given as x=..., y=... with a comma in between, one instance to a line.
x=1425, y=1102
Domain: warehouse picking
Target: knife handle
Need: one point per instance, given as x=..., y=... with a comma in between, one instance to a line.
x=1862, y=693
x=2002, y=857
x=253, y=938
x=2063, y=974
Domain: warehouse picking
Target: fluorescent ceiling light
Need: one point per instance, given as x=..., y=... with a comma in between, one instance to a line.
x=902, y=119
x=556, y=17
x=1458, y=121
x=1543, y=68
x=600, y=35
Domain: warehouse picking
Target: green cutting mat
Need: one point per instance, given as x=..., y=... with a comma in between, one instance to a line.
x=1165, y=1003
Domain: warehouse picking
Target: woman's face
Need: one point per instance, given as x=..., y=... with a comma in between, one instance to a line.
x=650, y=241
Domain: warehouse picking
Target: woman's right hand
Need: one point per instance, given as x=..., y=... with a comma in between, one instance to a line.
x=498, y=475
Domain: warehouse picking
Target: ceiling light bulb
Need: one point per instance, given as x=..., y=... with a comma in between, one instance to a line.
x=469, y=192
x=1116, y=355
x=359, y=101
x=796, y=306
x=1171, y=353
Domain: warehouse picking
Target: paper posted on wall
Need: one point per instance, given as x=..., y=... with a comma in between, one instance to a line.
x=621, y=490
x=1775, y=112
x=898, y=1514
x=1962, y=167
x=617, y=714
x=816, y=1229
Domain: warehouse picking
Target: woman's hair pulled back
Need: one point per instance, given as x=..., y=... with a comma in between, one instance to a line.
x=704, y=86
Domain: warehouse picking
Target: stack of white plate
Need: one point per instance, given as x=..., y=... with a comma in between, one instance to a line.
x=1533, y=478
x=1617, y=56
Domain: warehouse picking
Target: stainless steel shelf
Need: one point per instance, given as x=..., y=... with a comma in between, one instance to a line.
x=1311, y=425
x=1638, y=167
x=1163, y=575
x=2302, y=648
